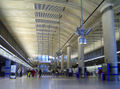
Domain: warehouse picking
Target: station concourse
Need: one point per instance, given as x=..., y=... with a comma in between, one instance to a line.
x=59, y=44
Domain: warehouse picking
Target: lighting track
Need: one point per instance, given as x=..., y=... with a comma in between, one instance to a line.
x=14, y=49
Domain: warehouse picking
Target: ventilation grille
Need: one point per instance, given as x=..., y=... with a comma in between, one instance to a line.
x=45, y=30
x=48, y=7
x=45, y=21
x=46, y=15
x=45, y=26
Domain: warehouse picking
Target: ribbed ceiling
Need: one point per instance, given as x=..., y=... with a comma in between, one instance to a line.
x=35, y=23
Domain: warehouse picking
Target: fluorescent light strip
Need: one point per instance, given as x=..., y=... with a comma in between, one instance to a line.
x=96, y=58
x=12, y=47
x=118, y=52
x=93, y=58
x=6, y=50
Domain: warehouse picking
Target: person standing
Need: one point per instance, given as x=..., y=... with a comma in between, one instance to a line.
x=40, y=72
x=19, y=72
x=99, y=73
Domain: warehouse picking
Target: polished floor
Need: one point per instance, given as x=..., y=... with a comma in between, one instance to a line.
x=49, y=82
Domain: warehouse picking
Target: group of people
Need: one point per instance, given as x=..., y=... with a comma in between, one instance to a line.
x=34, y=72
x=58, y=72
x=69, y=73
x=72, y=72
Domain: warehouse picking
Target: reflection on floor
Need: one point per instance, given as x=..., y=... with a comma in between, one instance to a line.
x=49, y=82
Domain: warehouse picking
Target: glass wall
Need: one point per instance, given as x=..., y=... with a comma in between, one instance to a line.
x=45, y=58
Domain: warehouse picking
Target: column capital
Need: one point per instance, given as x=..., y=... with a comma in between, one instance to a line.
x=68, y=45
x=106, y=6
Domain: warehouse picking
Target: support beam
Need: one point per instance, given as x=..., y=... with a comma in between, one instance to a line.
x=109, y=39
x=55, y=63
x=68, y=56
x=62, y=62
x=58, y=59
x=81, y=57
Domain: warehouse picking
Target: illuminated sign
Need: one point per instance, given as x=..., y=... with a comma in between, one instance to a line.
x=13, y=68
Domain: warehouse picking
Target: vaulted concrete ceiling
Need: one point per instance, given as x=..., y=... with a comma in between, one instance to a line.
x=35, y=23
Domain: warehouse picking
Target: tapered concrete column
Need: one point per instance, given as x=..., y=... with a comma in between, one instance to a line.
x=109, y=38
x=68, y=56
x=81, y=57
x=55, y=63
x=58, y=58
x=62, y=62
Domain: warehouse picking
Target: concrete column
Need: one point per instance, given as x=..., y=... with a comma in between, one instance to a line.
x=55, y=63
x=58, y=58
x=68, y=56
x=62, y=62
x=7, y=68
x=81, y=57
x=109, y=38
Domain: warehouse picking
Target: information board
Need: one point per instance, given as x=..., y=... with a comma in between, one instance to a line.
x=13, y=68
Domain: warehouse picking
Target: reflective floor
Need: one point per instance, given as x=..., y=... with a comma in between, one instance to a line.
x=49, y=82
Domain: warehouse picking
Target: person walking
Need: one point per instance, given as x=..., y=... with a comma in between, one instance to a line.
x=29, y=74
x=33, y=73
